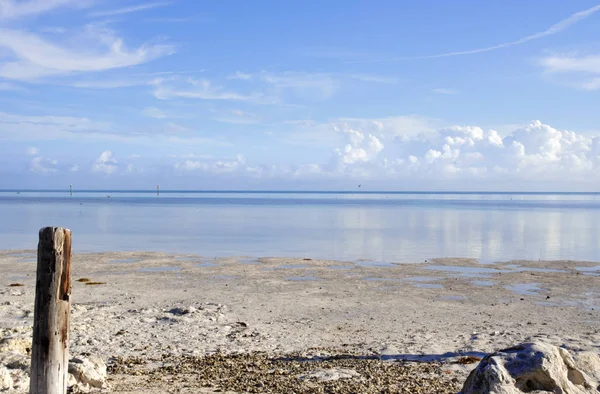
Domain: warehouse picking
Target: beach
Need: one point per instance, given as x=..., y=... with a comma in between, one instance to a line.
x=155, y=317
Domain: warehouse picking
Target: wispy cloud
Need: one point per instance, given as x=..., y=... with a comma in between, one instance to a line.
x=581, y=72
x=40, y=127
x=236, y=116
x=13, y=9
x=201, y=89
x=240, y=75
x=54, y=30
x=10, y=86
x=554, y=29
x=109, y=84
x=35, y=57
x=566, y=63
x=128, y=10
x=445, y=91
x=136, y=79
x=318, y=85
x=325, y=52
x=42, y=165
x=153, y=112
x=305, y=84
x=375, y=78
x=174, y=20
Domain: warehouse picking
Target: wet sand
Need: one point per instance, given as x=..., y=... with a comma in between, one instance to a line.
x=160, y=310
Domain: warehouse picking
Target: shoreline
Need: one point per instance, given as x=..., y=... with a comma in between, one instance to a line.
x=151, y=304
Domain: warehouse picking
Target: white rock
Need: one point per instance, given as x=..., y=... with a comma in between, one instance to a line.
x=20, y=380
x=15, y=360
x=71, y=381
x=327, y=375
x=88, y=371
x=6, y=380
x=529, y=368
x=19, y=345
x=589, y=362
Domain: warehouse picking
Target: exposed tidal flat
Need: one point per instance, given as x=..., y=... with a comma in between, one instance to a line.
x=187, y=323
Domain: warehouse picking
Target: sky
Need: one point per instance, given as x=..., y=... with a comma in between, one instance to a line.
x=300, y=95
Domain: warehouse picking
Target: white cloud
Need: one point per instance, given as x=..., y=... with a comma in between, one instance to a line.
x=13, y=9
x=375, y=78
x=54, y=30
x=494, y=138
x=378, y=149
x=128, y=10
x=200, y=89
x=581, y=72
x=153, y=112
x=133, y=169
x=320, y=85
x=74, y=168
x=109, y=84
x=360, y=149
x=212, y=165
x=35, y=57
x=10, y=86
x=16, y=127
x=387, y=149
x=270, y=87
x=236, y=116
x=533, y=152
x=445, y=91
x=172, y=20
x=590, y=84
x=240, y=75
x=105, y=163
x=34, y=127
x=552, y=30
x=566, y=63
x=42, y=165
x=304, y=84
x=191, y=165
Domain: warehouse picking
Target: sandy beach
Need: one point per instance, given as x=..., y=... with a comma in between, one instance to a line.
x=185, y=323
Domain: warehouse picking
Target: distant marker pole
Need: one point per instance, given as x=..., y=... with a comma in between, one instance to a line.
x=70, y=190
x=158, y=190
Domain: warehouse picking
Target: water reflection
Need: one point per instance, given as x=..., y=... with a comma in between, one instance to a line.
x=489, y=228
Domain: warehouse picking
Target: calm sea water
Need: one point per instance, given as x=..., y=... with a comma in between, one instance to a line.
x=346, y=226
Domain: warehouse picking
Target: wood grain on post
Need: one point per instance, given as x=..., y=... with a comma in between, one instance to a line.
x=50, y=348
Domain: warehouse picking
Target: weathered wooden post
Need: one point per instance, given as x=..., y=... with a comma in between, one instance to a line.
x=50, y=348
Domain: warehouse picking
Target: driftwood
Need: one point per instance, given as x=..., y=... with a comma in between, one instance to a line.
x=50, y=349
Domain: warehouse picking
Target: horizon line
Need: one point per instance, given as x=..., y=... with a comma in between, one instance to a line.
x=258, y=191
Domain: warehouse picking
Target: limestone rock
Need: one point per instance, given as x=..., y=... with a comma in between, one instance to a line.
x=89, y=371
x=20, y=380
x=15, y=360
x=19, y=345
x=530, y=368
x=6, y=381
x=589, y=362
x=328, y=375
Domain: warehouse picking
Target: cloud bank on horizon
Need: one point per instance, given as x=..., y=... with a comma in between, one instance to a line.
x=100, y=93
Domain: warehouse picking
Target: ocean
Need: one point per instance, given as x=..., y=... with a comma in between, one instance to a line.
x=378, y=226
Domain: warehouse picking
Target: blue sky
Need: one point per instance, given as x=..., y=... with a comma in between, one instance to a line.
x=300, y=94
